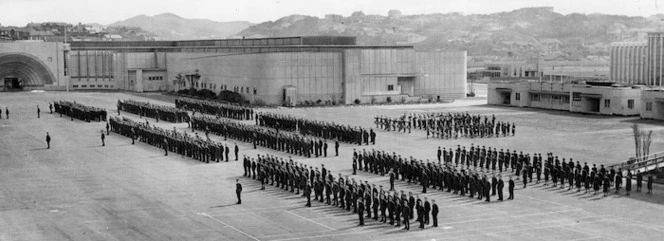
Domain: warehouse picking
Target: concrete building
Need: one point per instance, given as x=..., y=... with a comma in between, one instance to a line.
x=629, y=63
x=592, y=98
x=33, y=65
x=655, y=59
x=290, y=70
x=652, y=104
x=639, y=63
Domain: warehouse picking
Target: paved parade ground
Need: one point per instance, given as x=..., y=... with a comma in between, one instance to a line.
x=79, y=190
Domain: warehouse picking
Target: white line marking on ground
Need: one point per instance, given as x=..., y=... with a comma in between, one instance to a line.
x=323, y=225
x=327, y=235
x=229, y=226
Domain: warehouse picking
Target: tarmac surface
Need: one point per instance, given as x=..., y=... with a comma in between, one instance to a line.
x=79, y=190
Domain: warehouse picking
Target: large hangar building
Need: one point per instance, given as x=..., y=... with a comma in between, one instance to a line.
x=288, y=70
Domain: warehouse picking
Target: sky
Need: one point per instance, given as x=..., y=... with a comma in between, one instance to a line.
x=21, y=12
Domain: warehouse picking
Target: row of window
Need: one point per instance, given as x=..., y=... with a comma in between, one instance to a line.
x=95, y=78
x=213, y=86
x=93, y=86
x=552, y=98
x=156, y=78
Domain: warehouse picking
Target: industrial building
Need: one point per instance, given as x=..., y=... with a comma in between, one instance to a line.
x=288, y=70
x=639, y=63
x=589, y=98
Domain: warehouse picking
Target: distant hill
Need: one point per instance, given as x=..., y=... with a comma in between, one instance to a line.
x=169, y=26
x=516, y=33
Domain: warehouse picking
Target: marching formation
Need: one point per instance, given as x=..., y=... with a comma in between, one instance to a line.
x=321, y=129
x=343, y=192
x=172, y=141
x=447, y=125
x=78, y=111
x=281, y=141
x=215, y=108
x=159, y=112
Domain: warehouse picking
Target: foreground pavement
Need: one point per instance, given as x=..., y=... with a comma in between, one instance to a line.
x=79, y=190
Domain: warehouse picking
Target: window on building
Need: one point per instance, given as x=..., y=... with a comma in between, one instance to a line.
x=75, y=86
x=565, y=99
x=105, y=86
x=390, y=87
x=518, y=96
x=607, y=103
x=576, y=96
x=84, y=86
x=630, y=104
x=241, y=89
x=536, y=97
x=254, y=90
x=648, y=106
x=99, y=86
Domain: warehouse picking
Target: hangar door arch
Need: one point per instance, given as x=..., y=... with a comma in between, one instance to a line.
x=18, y=70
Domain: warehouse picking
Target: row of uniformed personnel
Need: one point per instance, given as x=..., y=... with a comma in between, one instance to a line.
x=259, y=136
x=343, y=192
x=159, y=112
x=321, y=129
x=446, y=125
x=215, y=108
x=78, y=111
x=441, y=176
x=173, y=141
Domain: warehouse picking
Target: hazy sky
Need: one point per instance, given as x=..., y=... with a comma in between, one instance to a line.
x=20, y=12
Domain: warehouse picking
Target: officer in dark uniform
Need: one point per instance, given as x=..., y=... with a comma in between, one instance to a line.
x=236, y=152
x=102, y=138
x=639, y=180
x=360, y=211
x=238, y=190
x=336, y=148
x=38, y=112
x=48, y=140
x=500, y=186
x=427, y=210
x=405, y=210
x=434, y=212
x=510, y=188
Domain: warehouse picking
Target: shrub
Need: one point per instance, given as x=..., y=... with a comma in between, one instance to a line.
x=357, y=101
x=319, y=101
x=205, y=93
x=230, y=96
x=389, y=99
x=373, y=99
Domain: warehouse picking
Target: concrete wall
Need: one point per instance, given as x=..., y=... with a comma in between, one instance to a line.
x=657, y=107
x=618, y=100
x=48, y=54
x=92, y=70
x=550, y=95
x=314, y=75
x=629, y=63
x=441, y=74
x=495, y=97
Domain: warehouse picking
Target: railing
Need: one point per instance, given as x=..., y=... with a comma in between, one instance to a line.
x=633, y=164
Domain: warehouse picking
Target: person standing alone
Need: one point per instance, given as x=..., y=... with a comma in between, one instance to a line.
x=238, y=190
x=102, y=138
x=48, y=141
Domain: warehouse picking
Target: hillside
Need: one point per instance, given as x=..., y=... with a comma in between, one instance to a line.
x=169, y=26
x=516, y=33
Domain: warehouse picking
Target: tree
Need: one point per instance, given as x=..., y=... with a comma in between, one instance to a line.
x=641, y=143
x=179, y=81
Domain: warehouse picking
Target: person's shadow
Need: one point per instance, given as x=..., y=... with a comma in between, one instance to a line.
x=225, y=205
